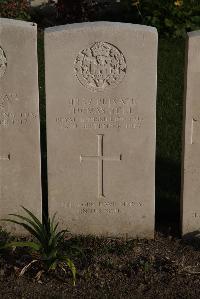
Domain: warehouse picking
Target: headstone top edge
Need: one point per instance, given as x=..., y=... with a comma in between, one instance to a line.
x=195, y=33
x=101, y=24
x=12, y=22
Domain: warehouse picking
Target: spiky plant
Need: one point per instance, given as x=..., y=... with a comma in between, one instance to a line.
x=47, y=244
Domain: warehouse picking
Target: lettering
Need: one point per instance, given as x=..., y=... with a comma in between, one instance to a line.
x=100, y=113
x=100, y=211
x=196, y=215
x=10, y=114
x=8, y=119
x=104, y=102
x=103, y=207
x=6, y=100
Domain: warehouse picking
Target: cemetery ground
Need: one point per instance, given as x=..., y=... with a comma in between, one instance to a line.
x=166, y=267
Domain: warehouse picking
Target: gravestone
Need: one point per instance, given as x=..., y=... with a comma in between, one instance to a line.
x=101, y=112
x=35, y=3
x=20, y=182
x=191, y=139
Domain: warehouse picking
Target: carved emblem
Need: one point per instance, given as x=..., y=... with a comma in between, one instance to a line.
x=3, y=62
x=100, y=66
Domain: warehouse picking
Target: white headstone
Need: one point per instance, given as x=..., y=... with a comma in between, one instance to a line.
x=101, y=115
x=20, y=178
x=191, y=139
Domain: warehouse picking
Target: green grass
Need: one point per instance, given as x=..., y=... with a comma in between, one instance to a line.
x=169, y=124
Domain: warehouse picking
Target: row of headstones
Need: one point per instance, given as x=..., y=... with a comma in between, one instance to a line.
x=101, y=115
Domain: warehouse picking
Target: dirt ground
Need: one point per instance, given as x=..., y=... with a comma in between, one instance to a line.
x=166, y=267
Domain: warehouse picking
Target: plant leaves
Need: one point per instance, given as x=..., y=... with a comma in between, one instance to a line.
x=71, y=266
x=33, y=224
x=32, y=245
x=26, y=226
x=36, y=220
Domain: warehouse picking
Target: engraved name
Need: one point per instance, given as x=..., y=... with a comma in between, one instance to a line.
x=10, y=114
x=100, y=113
x=109, y=102
x=8, y=119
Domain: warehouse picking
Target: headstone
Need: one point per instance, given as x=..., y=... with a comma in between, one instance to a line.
x=191, y=139
x=20, y=178
x=36, y=3
x=101, y=113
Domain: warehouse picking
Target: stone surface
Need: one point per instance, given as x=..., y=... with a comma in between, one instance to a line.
x=35, y=3
x=191, y=139
x=101, y=112
x=20, y=182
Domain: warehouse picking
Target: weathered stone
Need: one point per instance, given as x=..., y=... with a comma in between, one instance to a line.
x=39, y=3
x=20, y=182
x=35, y=3
x=191, y=139
x=101, y=112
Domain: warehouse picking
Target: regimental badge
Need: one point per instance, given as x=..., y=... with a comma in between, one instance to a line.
x=100, y=66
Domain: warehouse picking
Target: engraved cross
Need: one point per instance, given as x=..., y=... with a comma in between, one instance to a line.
x=5, y=158
x=100, y=158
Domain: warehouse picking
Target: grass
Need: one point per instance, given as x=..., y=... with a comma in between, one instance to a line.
x=169, y=125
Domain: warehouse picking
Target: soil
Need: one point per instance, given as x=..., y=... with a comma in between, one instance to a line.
x=166, y=267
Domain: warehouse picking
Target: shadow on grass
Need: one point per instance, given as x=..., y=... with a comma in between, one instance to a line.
x=168, y=188
x=171, y=58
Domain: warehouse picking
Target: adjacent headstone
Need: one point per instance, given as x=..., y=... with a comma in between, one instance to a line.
x=36, y=3
x=101, y=115
x=20, y=178
x=191, y=139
